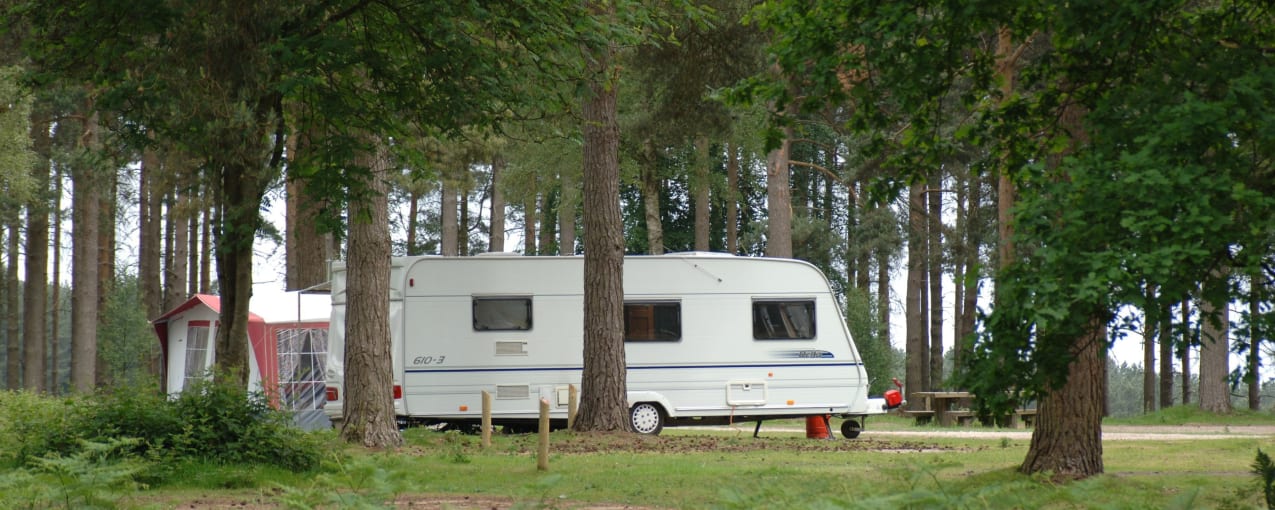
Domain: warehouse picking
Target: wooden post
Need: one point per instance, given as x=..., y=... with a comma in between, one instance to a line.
x=542, y=460
x=572, y=397
x=486, y=425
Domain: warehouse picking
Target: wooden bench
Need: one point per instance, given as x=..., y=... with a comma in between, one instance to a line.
x=922, y=416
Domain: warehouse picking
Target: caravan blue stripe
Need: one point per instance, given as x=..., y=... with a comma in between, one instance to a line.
x=655, y=367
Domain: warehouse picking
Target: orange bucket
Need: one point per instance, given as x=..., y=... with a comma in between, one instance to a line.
x=817, y=427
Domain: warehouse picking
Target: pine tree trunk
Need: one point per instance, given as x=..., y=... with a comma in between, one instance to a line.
x=732, y=199
x=32, y=378
x=779, y=200
x=1149, y=334
x=1215, y=394
x=151, y=218
x=570, y=199
x=934, y=199
x=1255, y=345
x=369, y=401
x=651, y=201
x=700, y=191
x=210, y=213
x=916, y=347
x=86, y=208
x=307, y=248
x=242, y=187
x=496, y=234
x=53, y=339
x=529, y=224
x=14, y=379
x=603, y=384
x=37, y=262
x=450, y=228
x=1067, y=439
x=548, y=215
x=1166, y=356
x=883, y=297
x=105, y=266
x=192, y=245
x=1184, y=353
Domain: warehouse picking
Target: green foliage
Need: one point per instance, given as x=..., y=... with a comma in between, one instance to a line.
x=96, y=476
x=210, y=422
x=16, y=156
x=1265, y=471
x=32, y=425
x=365, y=482
x=880, y=359
x=224, y=423
x=126, y=340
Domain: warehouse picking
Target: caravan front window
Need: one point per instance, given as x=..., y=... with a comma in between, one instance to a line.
x=502, y=313
x=784, y=320
x=652, y=322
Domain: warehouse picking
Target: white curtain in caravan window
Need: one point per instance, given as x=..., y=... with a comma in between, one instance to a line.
x=302, y=354
x=196, y=355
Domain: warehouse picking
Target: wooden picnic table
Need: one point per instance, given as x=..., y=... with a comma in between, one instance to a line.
x=943, y=405
x=952, y=407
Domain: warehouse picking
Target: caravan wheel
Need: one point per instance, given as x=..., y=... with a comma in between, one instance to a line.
x=850, y=429
x=647, y=418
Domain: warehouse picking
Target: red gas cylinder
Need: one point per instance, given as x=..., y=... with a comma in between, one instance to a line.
x=893, y=399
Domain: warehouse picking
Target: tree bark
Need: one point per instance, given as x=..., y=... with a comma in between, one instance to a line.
x=84, y=267
x=307, y=247
x=603, y=385
x=529, y=224
x=31, y=375
x=210, y=212
x=779, y=200
x=700, y=191
x=651, y=200
x=883, y=296
x=450, y=227
x=37, y=263
x=934, y=261
x=1067, y=439
x=1148, y=354
x=369, y=399
x=1166, y=356
x=1185, y=352
x=496, y=233
x=52, y=340
x=1215, y=394
x=732, y=199
x=150, y=214
x=917, y=377
x=107, y=198
x=1255, y=344
x=14, y=379
x=569, y=198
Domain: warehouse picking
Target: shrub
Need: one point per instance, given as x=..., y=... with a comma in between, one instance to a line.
x=210, y=422
x=32, y=426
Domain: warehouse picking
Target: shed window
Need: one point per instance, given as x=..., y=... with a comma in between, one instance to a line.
x=502, y=314
x=196, y=354
x=652, y=322
x=784, y=320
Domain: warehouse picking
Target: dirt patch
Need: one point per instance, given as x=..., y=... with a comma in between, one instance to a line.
x=588, y=443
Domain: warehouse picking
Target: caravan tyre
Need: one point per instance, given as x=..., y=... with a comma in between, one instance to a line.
x=850, y=429
x=647, y=418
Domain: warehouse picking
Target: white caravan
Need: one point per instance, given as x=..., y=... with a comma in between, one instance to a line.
x=709, y=339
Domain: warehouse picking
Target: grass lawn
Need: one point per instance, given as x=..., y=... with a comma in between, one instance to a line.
x=716, y=468
x=894, y=464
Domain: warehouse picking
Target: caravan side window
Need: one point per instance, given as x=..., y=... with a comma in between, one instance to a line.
x=502, y=313
x=652, y=322
x=784, y=320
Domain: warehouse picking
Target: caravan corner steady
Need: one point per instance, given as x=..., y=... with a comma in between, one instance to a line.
x=709, y=339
